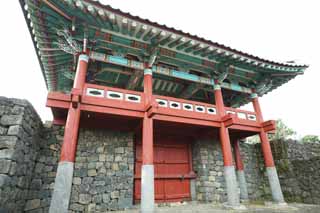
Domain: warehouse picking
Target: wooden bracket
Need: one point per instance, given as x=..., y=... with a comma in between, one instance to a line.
x=75, y=97
x=59, y=122
x=151, y=108
x=269, y=126
x=229, y=120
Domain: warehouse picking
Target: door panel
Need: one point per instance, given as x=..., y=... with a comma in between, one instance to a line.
x=172, y=170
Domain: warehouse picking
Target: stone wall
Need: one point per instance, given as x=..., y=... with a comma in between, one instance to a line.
x=19, y=144
x=255, y=172
x=103, y=175
x=208, y=165
x=298, y=167
x=44, y=173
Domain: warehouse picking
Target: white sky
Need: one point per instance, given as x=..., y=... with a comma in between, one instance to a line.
x=277, y=30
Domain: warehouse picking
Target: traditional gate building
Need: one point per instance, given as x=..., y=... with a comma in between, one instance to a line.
x=168, y=91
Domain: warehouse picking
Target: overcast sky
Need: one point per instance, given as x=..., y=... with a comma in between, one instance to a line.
x=277, y=30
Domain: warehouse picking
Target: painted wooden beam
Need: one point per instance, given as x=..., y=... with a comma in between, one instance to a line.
x=134, y=80
x=190, y=90
x=165, y=71
x=141, y=31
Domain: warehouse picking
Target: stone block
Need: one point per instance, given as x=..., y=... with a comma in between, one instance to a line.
x=125, y=203
x=8, y=120
x=115, y=167
x=32, y=204
x=3, y=130
x=36, y=184
x=8, y=142
x=76, y=181
x=4, y=180
x=106, y=198
x=77, y=207
x=100, y=149
x=7, y=153
x=115, y=194
x=97, y=198
x=84, y=199
x=102, y=158
x=15, y=130
x=92, y=207
x=119, y=150
x=5, y=166
x=87, y=180
x=17, y=110
x=92, y=172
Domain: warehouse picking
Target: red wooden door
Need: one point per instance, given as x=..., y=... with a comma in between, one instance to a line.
x=173, y=170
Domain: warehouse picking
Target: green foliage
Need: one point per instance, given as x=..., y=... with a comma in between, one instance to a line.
x=283, y=132
x=310, y=139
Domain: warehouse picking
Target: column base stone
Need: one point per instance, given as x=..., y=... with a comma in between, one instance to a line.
x=239, y=207
x=62, y=188
x=242, y=185
x=147, y=189
x=232, y=187
x=274, y=183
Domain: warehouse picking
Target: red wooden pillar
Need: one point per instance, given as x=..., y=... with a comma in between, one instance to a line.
x=267, y=155
x=240, y=171
x=237, y=154
x=229, y=171
x=147, y=170
x=63, y=182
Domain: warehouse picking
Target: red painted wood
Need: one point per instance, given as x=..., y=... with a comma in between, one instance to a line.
x=111, y=111
x=112, y=103
x=184, y=114
x=238, y=110
x=59, y=122
x=80, y=77
x=59, y=96
x=242, y=127
x=269, y=126
x=237, y=154
x=219, y=102
x=124, y=91
x=147, y=82
x=182, y=100
x=172, y=160
x=177, y=119
x=147, y=126
x=68, y=149
x=225, y=146
x=57, y=104
x=147, y=143
x=266, y=149
x=223, y=131
x=257, y=109
x=265, y=145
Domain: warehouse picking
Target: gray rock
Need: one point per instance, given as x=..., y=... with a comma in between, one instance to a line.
x=5, y=166
x=3, y=130
x=32, y=204
x=77, y=207
x=15, y=130
x=4, y=180
x=8, y=120
x=84, y=199
x=8, y=142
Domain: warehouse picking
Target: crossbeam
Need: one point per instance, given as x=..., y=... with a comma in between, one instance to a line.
x=118, y=60
x=127, y=103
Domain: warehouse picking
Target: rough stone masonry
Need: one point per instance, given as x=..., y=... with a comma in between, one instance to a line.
x=104, y=168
